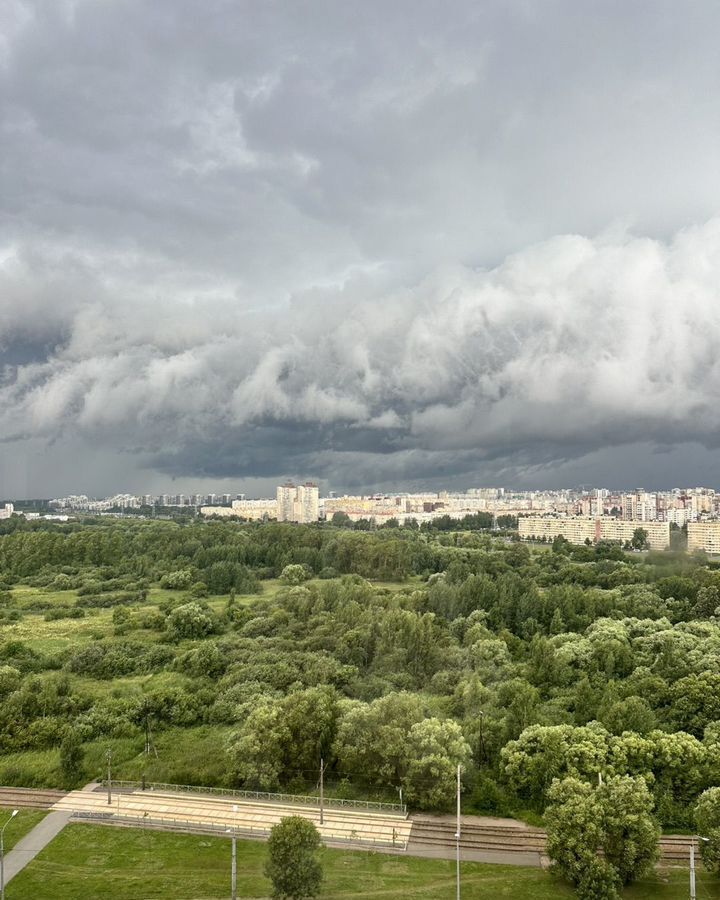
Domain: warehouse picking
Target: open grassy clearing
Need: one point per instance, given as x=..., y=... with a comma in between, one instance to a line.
x=58, y=635
x=183, y=756
x=88, y=861
x=24, y=821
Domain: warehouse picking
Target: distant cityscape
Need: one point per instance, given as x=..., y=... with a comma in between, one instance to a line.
x=579, y=515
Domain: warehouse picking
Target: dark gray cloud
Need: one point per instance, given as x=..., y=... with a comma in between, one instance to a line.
x=374, y=244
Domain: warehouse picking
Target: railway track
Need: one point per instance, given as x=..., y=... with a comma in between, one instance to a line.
x=431, y=834
x=428, y=834
x=29, y=798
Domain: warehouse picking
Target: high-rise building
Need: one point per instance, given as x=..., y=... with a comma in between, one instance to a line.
x=307, y=503
x=298, y=504
x=286, y=495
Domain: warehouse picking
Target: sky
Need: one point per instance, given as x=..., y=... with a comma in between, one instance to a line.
x=394, y=246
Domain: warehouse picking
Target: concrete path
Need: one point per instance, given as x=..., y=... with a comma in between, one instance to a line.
x=36, y=840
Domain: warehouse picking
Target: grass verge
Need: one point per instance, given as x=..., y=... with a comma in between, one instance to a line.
x=24, y=821
x=88, y=861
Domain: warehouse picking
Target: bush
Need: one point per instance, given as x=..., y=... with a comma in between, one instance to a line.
x=707, y=819
x=71, y=758
x=110, y=660
x=292, y=864
x=191, y=620
x=63, y=612
x=177, y=581
x=294, y=574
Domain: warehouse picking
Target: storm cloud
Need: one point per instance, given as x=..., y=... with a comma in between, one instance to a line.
x=378, y=246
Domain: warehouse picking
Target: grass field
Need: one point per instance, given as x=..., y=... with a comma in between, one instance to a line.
x=24, y=821
x=87, y=862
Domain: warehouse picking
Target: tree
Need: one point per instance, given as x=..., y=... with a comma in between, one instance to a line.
x=707, y=819
x=292, y=864
x=639, y=540
x=435, y=749
x=177, y=581
x=630, y=714
x=259, y=748
x=294, y=574
x=71, y=758
x=372, y=738
x=9, y=680
x=614, y=819
x=546, y=752
x=191, y=620
x=707, y=602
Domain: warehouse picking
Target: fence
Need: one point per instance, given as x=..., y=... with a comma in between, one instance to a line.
x=224, y=830
x=399, y=809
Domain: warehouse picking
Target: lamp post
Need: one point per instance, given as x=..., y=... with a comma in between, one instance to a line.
x=108, y=756
x=233, y=863
x=322, y=791
x=2, y=854
x=693, y=895
x=457, y=836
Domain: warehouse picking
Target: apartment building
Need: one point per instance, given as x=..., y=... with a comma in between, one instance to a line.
x=658, y=533
x=299, y=503
x=704, y=536
x=307, y=503
x=576, y=529
x=252, y=510
x=579, y=529
x=286, y=495
x=7, y=511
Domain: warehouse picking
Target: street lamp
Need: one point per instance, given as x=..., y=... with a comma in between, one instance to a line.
x=696, y=837
x=2, y=854
x=233, y=868
x=457, y=837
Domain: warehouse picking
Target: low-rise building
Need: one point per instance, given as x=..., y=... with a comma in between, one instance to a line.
x=252, y=510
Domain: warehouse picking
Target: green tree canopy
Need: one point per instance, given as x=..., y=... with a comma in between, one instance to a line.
x=614, y=819
x=707, y=820
x=292, y=864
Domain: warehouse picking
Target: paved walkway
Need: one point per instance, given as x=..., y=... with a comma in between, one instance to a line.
x=36, y=840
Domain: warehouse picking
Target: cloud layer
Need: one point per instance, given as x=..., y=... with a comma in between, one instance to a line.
x=567, y=347
x=389, y=247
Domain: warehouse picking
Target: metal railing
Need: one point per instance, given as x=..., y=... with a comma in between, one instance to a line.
x=264, y=796
x=225, y=830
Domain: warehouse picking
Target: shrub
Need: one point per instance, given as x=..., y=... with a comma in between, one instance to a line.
x=292, y=864
x=177, y=581
x=191, y=620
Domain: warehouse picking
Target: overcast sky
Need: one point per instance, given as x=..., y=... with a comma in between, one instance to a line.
x=383, y=244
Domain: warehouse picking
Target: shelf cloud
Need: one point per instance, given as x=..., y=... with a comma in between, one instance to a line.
x=392, y=248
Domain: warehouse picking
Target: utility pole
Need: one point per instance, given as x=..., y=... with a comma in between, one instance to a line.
x=693, y=895
x=233, y=867
x=457, y=835
x=692, y=869
x=2, y=854
x=109, y=776
x=147, y=747
x=322, y=790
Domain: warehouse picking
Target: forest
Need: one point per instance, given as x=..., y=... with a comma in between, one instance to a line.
x=241, y=655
